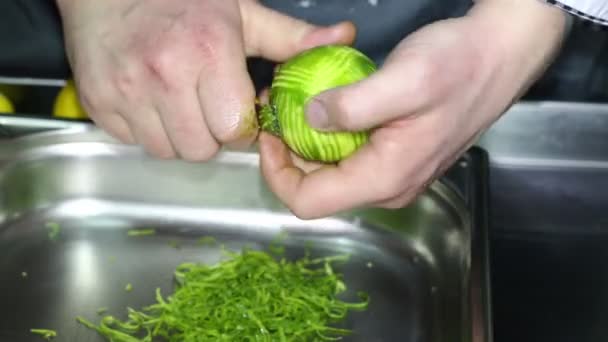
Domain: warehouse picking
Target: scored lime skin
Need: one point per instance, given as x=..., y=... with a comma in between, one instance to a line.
x=299, y=80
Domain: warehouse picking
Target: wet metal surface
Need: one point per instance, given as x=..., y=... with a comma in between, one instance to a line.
x=423, y=266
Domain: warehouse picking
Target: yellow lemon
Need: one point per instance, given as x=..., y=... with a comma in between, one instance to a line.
x=67, y=104
x=6, y=106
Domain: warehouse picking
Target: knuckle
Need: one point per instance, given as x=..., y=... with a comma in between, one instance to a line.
x=193, y=142
x=91, y=101
x=201, y=43
x=179, y=54
x=161, y=152
x=158, y=148
x=207, y=38
x=187, y=128
x=198, y=153
x=159, y=62
x=125, y=83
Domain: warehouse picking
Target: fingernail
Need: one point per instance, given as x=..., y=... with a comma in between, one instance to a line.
x=316, y=114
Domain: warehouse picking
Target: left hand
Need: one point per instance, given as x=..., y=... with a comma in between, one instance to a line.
x=435, y=94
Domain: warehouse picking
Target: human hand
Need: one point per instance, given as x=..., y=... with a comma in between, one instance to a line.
x=436, y=93
x=172, y=75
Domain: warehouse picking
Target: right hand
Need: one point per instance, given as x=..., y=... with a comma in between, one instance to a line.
x=171, y=75
x=424, y=111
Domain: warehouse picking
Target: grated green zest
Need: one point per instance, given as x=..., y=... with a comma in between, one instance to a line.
x=269, y=121
x=47, y=334
x=207, y=241
x=251, y=296
x=54, y=230
x=141, y=232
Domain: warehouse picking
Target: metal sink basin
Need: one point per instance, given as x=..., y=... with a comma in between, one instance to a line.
x=549, y=218
x=428, y=282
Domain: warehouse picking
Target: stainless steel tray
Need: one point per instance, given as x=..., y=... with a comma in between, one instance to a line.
x=428, y=280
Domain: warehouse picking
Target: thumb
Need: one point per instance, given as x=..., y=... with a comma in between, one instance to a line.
x=277, y=36
x=399, y=89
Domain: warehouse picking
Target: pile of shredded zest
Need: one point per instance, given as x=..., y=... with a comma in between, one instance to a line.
x=251, y=296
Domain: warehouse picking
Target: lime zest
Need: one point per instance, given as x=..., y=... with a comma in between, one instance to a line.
x=207, y=240
x=269, y=122
x=250, y=294
x=141, y=232
x=277, y=246
x=47, y=334
x=54, y=230
x=174, y=244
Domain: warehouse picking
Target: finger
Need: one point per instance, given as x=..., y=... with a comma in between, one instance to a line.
x=325, y=191
x=226, y=93
x=94, y=102
x=149, y=132
x=401, y=200
x=276, y=36
x=116, y=126
x=305, y=165
x=130, y=121
x=183, y=120
x=402, y=87
x=405, y=198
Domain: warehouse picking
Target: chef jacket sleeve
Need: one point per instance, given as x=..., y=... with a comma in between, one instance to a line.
x=595, y=11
